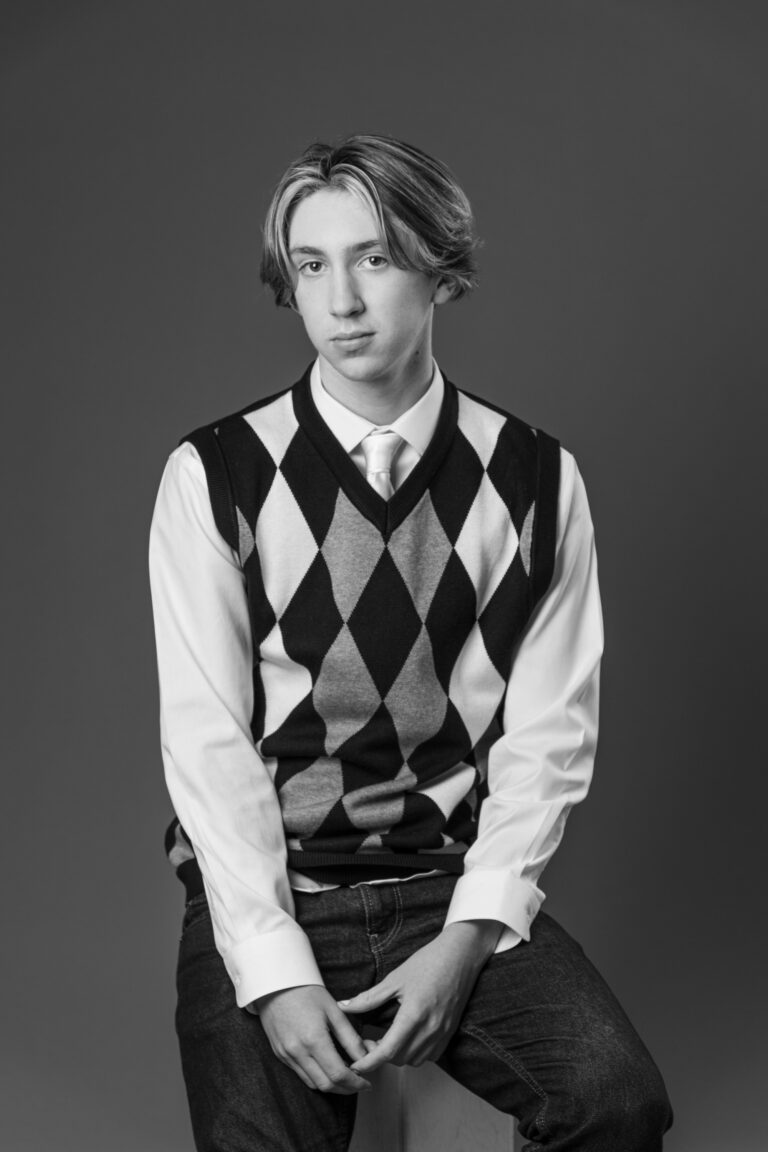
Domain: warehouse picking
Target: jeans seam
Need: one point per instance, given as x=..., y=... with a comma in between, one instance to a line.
x=378, y=946
x=377, y=967
x=507, y=1058
x=382, y=945
x=366, y=909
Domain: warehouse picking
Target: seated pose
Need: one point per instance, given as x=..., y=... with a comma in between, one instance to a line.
x=379, y=636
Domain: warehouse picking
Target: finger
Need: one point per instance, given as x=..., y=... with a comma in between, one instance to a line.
x=393, y=1044
x=347, y=1035
x=335, y=1076
x=316, y=1078
x=372, y=998
x=325, y=1083
x=296, y=1067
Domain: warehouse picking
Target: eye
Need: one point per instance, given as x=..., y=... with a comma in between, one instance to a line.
x=374, y=261
x=310, y=267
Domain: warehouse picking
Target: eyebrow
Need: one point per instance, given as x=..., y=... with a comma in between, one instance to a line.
x=355, y=249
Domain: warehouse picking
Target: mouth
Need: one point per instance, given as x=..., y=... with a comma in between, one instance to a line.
x=351, y=339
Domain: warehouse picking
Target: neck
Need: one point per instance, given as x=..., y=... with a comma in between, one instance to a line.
x=382, y=399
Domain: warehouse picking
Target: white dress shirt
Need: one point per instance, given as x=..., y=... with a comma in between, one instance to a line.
x=416, y=425
x=537, y=770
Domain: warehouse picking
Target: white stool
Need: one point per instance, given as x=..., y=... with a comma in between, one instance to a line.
x=423, y=1110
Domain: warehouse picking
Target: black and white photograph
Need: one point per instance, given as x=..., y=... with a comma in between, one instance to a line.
x=385, y=398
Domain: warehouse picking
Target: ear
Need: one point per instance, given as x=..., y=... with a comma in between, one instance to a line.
x=442, y=293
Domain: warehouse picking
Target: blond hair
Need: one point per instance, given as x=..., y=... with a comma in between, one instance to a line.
x=424, y=216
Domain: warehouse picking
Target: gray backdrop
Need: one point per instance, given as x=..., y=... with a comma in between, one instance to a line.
x=615, y=154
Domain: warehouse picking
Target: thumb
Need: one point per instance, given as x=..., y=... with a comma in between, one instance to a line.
x=366, y=1001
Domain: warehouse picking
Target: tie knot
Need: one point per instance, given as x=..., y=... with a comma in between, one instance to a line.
x=379, y=449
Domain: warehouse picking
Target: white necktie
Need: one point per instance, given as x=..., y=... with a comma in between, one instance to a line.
x=380, y=449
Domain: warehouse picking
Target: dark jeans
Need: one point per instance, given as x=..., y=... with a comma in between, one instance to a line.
x=542, y=1038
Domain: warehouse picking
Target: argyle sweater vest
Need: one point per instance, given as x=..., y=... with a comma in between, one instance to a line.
x=383, y=630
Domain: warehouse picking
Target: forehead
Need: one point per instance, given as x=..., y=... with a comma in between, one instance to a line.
x=332, y=219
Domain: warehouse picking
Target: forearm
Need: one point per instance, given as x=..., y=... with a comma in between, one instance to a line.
x=542, y=763
x=221, y=789
x=477, y=939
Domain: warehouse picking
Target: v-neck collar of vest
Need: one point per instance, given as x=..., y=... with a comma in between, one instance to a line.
x=385, y=514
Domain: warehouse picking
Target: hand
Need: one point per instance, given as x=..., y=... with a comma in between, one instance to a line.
x=432, y=987
x=301, y=1024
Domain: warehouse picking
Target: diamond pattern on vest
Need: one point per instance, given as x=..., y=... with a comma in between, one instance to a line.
x=385, y=623
x=345, y=695
x=482, y=426
x=456, y=784
x=372, y=753
x=505, y=614
x=382, y=659
x=351, y=549
x=276, y=426
x=285, y=563
x=526, y=540
x=311, y=794
x=315, y=489
x=379, y=805
x=420, y=549
x=337, y=833
x=486, y=558
x=285, y=681
x=476, y=698
x=312, y=622
x=416, y=702
x=246, y=542
x=453, y=489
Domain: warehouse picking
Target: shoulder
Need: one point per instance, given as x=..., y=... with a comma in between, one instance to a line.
x=480, y=417
x=184, y=472
x=498, y=434
x=265, y=417
x=262, y=413
x=503, y=439
x=230, y=462
x=483, y=408
x=481, y=413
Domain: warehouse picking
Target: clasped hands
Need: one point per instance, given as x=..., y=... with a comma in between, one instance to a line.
x=308, y=1030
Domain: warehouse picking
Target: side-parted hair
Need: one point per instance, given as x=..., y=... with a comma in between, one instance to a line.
x=425, y=218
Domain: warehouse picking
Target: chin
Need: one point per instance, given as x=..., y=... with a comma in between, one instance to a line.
x=361, y=369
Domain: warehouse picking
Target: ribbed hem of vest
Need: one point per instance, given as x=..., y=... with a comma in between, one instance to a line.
x=346, y=868
x=355, y=868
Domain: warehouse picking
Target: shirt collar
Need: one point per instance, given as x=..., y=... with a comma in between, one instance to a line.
x=416, y=425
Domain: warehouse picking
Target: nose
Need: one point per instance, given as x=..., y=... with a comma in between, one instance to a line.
x=345, y=299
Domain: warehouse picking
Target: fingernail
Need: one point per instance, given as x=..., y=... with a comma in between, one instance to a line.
x=344, y=1001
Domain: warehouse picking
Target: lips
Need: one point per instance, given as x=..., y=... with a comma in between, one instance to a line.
x=350, y=337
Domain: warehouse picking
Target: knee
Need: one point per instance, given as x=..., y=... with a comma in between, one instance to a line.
x=637, y=1115
x=623, y=1106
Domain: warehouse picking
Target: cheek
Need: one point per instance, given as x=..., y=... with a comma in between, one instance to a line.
x=411, y=313
x=309, y=312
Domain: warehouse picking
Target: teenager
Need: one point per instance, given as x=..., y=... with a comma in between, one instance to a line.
x=379, y=635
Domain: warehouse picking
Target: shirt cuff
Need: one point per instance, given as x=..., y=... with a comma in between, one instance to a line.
x=269, y=963
x=493, y=894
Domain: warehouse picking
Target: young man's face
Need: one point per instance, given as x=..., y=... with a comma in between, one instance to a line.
x=370, y=322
